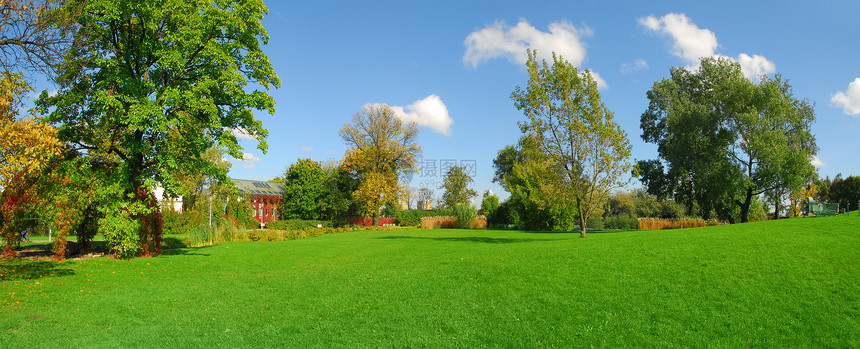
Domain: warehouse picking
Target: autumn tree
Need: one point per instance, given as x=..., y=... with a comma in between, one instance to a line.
x=148, y=87
x=456, y=184
x=33, y=37
x=585, y=153
x=724, y=139
x=381, y=147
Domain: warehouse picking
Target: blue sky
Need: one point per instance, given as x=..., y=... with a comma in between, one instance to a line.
x=452, y=66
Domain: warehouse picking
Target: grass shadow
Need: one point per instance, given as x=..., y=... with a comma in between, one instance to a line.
x=478, y=239
x=20, y=269
x=185, y=251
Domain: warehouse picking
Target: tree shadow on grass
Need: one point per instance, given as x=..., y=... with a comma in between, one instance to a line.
x=186, y=251
x=21, y=269
x=480, y=239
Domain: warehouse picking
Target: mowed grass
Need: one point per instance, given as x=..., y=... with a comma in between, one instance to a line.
x=788, y=283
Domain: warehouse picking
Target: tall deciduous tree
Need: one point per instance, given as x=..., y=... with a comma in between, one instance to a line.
x=584, y=152
x=148, y=87
x=456, y=185
x=381, y=146
x=725, y=139
x=304, y=187
x=33, y=34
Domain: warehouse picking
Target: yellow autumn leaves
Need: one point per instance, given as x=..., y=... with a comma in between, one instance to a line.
x=25, y=143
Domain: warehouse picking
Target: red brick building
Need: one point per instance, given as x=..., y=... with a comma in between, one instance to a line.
x=265, y=197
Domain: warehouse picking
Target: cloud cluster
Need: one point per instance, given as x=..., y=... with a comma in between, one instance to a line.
x=500, y=40
x=429, y=112
x=691, y=43
x=247, y=160
x=848, y=100
x=636, y=65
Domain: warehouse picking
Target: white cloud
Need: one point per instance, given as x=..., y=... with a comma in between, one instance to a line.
x=636, y=65
x=307, y=148
x=848, y=100
x=500, y=40
x=249, y=166
x=691, y=43
x=817, y=162
x=240, y=133
x=755, y=66
x=248, y=157
x=601, y=84
x=430, y=112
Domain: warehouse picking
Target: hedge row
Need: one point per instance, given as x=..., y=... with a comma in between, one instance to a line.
x=296, y=224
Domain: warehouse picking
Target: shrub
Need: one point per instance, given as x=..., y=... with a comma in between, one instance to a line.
x=437, y=222
x=660, y=224
x=464, y=215
x=447, y=222
x=623, y=223
x=296, y=224
x=412, y=218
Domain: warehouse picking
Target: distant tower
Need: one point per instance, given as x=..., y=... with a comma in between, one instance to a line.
x=487, y=193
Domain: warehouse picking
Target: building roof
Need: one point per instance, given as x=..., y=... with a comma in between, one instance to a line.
x=250, y=187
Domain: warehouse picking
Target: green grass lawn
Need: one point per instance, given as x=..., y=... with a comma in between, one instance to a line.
x=788, y=283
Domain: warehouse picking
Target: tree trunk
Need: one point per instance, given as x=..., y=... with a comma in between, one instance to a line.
x=582, y=219
x=376, y=219
x=776, y=209
x=745, y=206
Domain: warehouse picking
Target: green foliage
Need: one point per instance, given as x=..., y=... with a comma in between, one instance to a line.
x=582, y=152
x=642, y=204
x=504, y=162
x=845, y=192
x=304, y=187
x=456, y=185
x=148, y=88
x=725, y=139
x=622, y=223
x=381, y=147
x=412, y=218
x=241, y=210
x=465, y=215
x=297, y=224
x=121, y=231
x=489, y=205
x=507, y=215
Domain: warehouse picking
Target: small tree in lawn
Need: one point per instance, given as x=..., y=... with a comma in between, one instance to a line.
x=585, y=153
x=456, y=185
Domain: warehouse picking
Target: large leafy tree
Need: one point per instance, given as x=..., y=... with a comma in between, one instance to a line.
x=725, y=139
x=381, y=147
x=148, y=87
x=584, y=153
x=304, y=187
x=456, y=184
x=846, y=192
